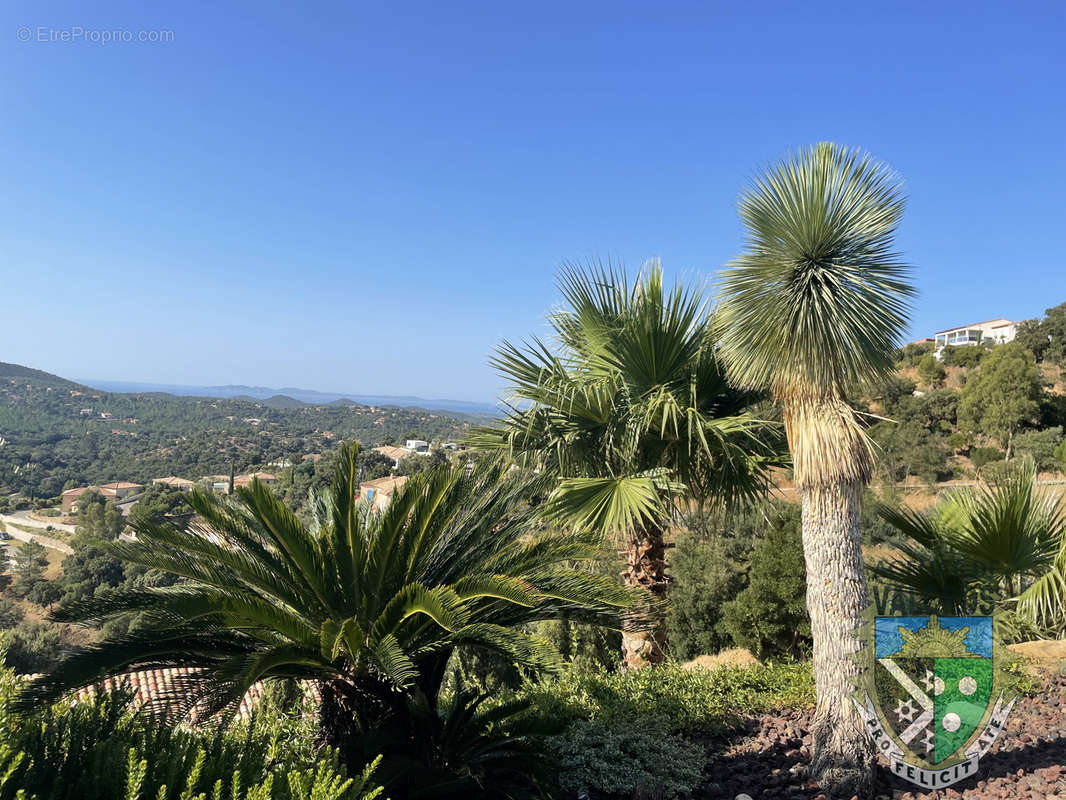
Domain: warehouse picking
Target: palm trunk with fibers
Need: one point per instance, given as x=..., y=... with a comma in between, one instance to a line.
x=644, y=634
x=832, y=463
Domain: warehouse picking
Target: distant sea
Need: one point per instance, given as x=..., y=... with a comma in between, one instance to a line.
x=303, y=395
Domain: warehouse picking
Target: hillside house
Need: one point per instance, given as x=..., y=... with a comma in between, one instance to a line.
x=109, y=491
x=417, y=445
x=122, y=489
x=999, y=330
x=181, y=484
x=379, y=492
x=69, y=498
x=393, y=453
x=263, y=477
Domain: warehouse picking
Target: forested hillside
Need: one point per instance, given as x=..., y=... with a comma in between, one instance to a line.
x=974, y=407
x=55, y=434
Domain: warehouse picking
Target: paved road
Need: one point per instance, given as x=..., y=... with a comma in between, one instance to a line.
x=24, y=518
x=40, y=538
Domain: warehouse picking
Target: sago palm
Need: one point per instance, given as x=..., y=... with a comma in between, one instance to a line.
x=812, y=308
x=370, y=606
x=1004, y=543
x=628, y=410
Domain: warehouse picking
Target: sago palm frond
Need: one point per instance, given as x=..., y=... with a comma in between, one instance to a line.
x=358, y=596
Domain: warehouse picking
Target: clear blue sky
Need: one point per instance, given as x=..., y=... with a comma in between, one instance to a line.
x=367, y=197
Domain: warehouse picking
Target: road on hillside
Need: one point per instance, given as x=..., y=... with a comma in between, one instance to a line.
x=40, y=538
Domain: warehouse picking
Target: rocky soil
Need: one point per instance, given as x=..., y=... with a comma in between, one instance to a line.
x=1028, y=762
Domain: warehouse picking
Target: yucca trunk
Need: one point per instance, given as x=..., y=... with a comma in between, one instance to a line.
x=644, y=635
x=832, y=464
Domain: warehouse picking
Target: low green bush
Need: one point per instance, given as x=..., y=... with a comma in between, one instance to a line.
x=692, y=702
x=1040, y=446
x=647, y=733
x=595, y=759
x=980, y=456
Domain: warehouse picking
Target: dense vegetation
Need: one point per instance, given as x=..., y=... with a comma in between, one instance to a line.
x=47, y=444
x=978, y=406
x=464, y=642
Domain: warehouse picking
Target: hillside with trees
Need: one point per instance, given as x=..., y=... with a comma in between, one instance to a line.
x=975, y=408
x=56, y=434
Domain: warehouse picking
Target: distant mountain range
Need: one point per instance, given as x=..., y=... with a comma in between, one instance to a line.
x=290, y=397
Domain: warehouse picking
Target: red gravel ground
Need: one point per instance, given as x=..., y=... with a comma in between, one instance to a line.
x=1028, y=762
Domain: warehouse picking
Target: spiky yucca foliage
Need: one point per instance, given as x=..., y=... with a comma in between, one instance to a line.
x=369, y=605
x=813, y=308
x=628, y=410
x=1005, y=543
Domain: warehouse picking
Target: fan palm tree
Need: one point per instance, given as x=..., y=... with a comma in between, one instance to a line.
x=1005, y=543
x=628, y=411
x=369, y=605
x=812, y=308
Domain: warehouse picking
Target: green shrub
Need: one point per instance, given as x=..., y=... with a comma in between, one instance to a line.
x=985, y=455
x=33, y=646
x=693, y=702
x=1040, y=446
x=962, y=355
x=704, y=577
x=11, y=613
x=911, y=354
x=769, y=617
x=931, y=371
x=959, y=441
x=596, y=760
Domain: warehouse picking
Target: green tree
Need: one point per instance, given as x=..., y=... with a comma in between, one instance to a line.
x=98, y=518
x=1004, y=396
x=33, y=647
x=11, y=613
x=769, y=616
x=31, y=561
x=156, y=503
x=962, y=355
x=705, y=574
x=811, y=310
x=1040, y=445
x=931, y=371
x=1046, y=337
x=629, y=411
x=371, y=606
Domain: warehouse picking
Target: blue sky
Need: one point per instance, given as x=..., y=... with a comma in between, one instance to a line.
x=367, y=197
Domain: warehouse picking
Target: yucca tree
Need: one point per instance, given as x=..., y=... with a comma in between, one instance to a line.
x=628, y=411
x=813, y=308
x=370, y=606
x=1004, y=543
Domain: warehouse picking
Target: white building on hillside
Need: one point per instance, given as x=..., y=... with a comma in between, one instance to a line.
x=997, y=330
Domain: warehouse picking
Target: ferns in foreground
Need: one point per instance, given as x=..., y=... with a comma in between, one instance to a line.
x=98, y=749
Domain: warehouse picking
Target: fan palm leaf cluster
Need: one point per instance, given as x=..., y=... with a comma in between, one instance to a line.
x=628, y=409
x=1004, y=544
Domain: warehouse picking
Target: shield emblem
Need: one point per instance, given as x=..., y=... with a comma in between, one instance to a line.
x=934, y=680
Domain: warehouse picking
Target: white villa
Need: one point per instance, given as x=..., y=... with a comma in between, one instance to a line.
x=998, y=330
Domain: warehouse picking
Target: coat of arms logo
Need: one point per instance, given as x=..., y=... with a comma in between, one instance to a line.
x=931, y=698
